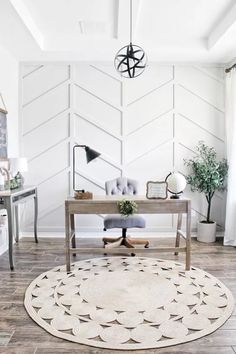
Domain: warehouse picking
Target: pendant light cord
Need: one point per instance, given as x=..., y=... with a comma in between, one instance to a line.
x=131, y=19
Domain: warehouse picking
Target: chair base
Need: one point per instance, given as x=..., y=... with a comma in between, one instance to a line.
x=123, y=241
x=111, y=242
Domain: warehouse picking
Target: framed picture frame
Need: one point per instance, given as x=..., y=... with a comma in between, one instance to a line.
x=156, y=190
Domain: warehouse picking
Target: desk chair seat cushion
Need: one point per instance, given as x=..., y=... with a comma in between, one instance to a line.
x=124, y=222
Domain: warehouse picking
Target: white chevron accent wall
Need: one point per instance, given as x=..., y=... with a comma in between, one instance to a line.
x=144, y=128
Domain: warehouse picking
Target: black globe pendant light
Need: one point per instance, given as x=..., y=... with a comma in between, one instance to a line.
x=131, y=60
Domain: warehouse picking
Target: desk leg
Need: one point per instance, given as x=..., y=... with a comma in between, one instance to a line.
x=72, y=225
x=17, y=223
x=10, y=231
x=179, y=225
x=35, y=217
x=67, y=229
x=188, y=237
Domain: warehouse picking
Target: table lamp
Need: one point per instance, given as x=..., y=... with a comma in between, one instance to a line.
x=90, y=155
x=18, y=165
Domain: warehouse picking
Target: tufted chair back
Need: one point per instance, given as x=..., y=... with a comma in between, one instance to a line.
x=121, y=186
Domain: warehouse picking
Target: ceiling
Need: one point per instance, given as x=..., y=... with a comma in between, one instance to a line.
x=168, y=30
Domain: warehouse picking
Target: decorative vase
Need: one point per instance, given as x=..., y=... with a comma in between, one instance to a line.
x=206, y=232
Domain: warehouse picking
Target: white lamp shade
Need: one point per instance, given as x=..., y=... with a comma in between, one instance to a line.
x=18, y=164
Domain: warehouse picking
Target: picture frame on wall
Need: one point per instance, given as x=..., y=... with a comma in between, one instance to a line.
x=156, y=190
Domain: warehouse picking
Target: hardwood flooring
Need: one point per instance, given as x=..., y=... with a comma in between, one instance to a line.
x=20, y=335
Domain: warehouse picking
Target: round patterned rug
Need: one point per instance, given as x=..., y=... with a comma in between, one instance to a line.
x=128, y=303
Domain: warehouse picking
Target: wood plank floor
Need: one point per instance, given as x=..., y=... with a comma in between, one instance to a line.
x=20, y=335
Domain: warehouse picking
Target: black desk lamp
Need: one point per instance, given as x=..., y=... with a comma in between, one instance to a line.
x=90, y=155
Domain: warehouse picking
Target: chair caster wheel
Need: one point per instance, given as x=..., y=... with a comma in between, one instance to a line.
x=132, y=254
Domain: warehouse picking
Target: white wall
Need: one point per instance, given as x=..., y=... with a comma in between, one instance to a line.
x=9, y=88
x=143, y=127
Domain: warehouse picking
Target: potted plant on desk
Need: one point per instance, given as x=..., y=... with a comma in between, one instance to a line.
x=207, y=175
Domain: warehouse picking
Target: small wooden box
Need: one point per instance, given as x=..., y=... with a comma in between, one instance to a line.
x=83, y=195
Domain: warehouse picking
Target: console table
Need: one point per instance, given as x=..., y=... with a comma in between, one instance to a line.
x=10, y=200
x=108, y=205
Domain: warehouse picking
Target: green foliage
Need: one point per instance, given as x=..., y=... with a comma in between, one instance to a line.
x=127, y=207
x=207, y=174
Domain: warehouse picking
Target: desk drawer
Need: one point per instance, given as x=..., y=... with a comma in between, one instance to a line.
x=144, y=207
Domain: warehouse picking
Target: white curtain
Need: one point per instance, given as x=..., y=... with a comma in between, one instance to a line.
x=230, y=125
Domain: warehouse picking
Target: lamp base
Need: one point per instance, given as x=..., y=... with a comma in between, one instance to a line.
x=83, y=195
x=175, y=196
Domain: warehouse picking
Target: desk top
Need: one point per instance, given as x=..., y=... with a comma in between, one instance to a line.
x=117, y=198
x=14, y=192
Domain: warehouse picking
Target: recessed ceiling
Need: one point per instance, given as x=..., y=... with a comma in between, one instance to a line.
x=169, y=30
x=56, y=18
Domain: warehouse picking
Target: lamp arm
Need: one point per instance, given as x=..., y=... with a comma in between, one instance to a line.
x=73, y=172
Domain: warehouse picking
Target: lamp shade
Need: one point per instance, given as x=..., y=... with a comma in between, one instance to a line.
x=91, y=154
x=18, y=164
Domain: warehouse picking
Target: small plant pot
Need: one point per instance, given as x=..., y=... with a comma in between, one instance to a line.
x=206, y=232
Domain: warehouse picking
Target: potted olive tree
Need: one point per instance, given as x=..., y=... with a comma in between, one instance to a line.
x=206, y=175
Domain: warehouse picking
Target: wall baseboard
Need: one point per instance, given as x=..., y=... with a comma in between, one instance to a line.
x=3, y=239
x=97, y=235
x=100, y=234
x=3, y=249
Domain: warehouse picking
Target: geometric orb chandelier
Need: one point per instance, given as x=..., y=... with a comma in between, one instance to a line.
x=131, y=60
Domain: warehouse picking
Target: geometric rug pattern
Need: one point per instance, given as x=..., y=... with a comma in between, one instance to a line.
x=128, y=303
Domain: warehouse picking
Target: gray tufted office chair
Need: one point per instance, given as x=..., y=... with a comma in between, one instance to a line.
x=123, y=186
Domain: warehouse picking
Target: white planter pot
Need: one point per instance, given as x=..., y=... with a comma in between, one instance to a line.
x=206, y=232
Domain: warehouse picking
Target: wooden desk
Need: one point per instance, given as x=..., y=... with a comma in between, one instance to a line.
x=10, y=200
x=108, y=205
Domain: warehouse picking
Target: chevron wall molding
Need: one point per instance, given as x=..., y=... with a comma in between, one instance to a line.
x=144, y=128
